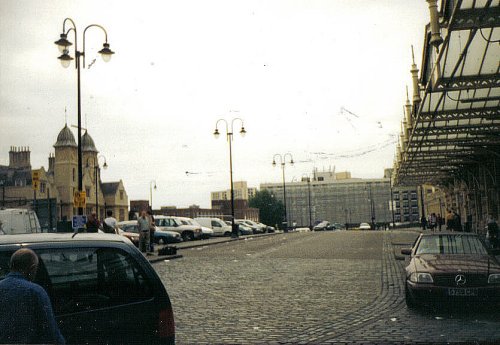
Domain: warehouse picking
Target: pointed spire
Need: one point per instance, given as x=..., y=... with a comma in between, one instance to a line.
x=414, y=77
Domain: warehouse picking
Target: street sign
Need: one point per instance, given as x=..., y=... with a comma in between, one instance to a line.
x=83, y=199
x=35, y=179
x=80, y=199
x=78, y=222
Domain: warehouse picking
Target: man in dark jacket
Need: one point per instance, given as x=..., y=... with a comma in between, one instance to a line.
x=26, y=315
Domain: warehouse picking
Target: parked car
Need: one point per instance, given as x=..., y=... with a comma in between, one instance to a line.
x=219, y=227
x=101, y=287
x=321, y=226
x=451, y=267
x=256, y=228
x=129, y=231
x=160, y=236
x=365, y=226
x=205, y=231
x=171, y=223
x=245, y=229
x=18, y=221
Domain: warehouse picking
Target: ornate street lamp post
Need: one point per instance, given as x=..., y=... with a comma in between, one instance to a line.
x=283, y=163
x=229, y=135
x=65, y=59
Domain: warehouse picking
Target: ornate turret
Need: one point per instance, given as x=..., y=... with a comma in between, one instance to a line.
x=65, y=138
x=88, y=144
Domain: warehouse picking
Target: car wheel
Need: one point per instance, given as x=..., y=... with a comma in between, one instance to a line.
x=409, y=299
x=187, y=236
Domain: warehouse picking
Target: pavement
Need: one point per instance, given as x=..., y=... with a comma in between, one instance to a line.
x=155, y=257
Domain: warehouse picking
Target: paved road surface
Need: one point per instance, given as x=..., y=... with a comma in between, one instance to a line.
x=313, y=287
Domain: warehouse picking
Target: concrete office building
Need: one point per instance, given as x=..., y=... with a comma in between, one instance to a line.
x=335, y=197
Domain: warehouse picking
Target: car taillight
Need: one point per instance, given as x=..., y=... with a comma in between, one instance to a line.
x=166, y=324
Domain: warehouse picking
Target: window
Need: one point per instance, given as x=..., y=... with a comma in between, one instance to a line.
x=121, y=215
x=87, y=191
x=43, y=186
x=121, y=195
x=73, y=174
x=19, y=182
x=82, y=279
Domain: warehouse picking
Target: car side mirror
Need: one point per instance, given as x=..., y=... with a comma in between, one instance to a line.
x=406, y=251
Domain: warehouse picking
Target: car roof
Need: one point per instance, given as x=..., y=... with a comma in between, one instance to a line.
x=59, y=238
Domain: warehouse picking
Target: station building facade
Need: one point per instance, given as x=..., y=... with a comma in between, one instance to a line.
x=53, y=200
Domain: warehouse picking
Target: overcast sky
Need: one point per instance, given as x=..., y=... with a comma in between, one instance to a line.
x=287, y=68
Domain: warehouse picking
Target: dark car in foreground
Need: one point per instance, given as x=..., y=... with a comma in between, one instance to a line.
x=102, y=289
x=452, y=269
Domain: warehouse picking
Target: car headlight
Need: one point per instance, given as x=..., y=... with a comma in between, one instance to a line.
x=494, y=278
x=419, y=277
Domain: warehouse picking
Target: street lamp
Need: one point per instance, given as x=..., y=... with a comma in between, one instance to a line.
x=283, y=162
x=63, y=44
x=372, y=206
x=96, y=176
x=229, y=135
x=151, y=192
x=308, y=179
x=2, y=183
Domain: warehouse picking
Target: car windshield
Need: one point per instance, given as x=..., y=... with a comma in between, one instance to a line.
x=450, y=244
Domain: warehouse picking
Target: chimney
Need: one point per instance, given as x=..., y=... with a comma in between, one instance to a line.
x=19, y=157
x=52, y=160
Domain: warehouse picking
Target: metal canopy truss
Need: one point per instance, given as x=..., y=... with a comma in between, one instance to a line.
x=457, y=122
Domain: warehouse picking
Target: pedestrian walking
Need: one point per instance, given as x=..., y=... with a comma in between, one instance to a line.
x=26, y=314
x=109, y=224
x=143, y=225
x=439, y=221
x=93, y=223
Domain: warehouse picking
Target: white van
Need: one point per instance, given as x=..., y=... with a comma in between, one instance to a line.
x=219, y=227
x=18, y=221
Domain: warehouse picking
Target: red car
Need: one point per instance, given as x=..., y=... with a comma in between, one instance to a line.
x=451, y=267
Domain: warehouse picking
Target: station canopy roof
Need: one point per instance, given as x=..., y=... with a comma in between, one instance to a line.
x=457, y=122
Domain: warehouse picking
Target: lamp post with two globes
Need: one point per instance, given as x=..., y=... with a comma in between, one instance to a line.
x=63, y=44
x=229, y=135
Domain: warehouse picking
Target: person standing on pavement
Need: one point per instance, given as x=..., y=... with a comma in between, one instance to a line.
x=109, y=224
x=152, y=230
x=143, y=225
x=449, y=221
x=493, y=232
x=26, y=314
x=93, y=223
x=423, y=223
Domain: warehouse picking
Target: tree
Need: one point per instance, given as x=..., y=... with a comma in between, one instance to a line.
x=271, y=210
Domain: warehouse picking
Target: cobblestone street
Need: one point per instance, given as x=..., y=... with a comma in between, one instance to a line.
x=320, y=287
